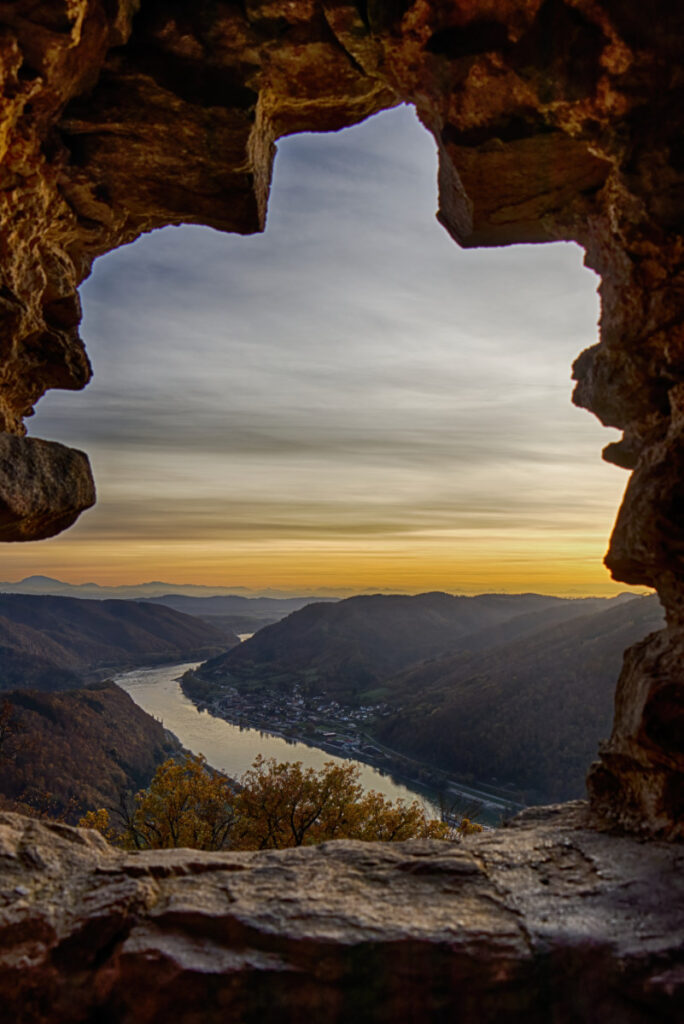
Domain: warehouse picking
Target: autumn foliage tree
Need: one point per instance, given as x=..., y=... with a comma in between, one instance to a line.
x=185, y=805
x=284, y=804
x=275, y=806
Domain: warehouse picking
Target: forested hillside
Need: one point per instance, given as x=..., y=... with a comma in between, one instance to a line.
x=76, y=750
x=513, y=688
x=55, y=642
x=531, y=712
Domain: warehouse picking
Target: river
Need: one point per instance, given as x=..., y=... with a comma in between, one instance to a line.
x=232, y=748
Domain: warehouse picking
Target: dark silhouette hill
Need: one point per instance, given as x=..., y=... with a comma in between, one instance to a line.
x=50, y=643
x=517, y=689
x=352, y=647
x=77, y=750
x=530, y=712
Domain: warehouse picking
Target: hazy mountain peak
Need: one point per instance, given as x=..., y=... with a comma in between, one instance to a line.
x=47, y=585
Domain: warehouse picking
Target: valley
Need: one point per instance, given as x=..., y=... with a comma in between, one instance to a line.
x=57, y=643
x=517, y=701
x=483, y=704
x=231, y=746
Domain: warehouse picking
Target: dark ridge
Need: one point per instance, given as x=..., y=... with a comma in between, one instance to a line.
x=529, y=711
x=53, y=643
x=78, y=750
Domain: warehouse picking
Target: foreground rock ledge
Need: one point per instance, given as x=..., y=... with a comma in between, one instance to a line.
x=547, y=920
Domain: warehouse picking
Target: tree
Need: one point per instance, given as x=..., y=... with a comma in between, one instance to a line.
x=185, y=805
x=276, y=805
x=284, y=805
x=458, y=812
x=466, y=827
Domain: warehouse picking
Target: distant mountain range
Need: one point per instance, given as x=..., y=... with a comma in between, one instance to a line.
x=52, y=643
x=513, y=687
x=155, y=589
x=235, y=613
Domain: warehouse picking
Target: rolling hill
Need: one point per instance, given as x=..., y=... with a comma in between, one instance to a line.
x=52, y=643
x=530, y=712
x=233, y=612
x=352, y=647
x=77, y=750
x=517, y=689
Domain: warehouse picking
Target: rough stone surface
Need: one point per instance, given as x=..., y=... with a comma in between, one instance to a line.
x=44, y=487
x=549, y=920
x=554, y=119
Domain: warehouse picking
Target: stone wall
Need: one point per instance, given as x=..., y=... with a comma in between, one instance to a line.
x=554, y=119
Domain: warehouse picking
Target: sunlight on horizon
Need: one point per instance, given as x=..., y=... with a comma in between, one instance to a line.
x=348, y=401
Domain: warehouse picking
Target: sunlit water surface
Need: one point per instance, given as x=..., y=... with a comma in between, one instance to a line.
x=232, y=748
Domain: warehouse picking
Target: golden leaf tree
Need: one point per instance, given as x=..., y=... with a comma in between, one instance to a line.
x=275, y=806
x=185, y=805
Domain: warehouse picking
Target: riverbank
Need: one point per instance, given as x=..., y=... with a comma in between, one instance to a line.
x=232, y=748
x=323, y=724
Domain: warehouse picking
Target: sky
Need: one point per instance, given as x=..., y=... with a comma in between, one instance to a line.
x=347, y=402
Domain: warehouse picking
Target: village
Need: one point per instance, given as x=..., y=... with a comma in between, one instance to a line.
x=294, y=715
x=344, y=731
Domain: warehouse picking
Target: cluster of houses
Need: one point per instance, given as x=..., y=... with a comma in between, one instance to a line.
x=330, y=723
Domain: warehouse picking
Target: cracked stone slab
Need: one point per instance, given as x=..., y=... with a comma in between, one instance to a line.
x=547, y=920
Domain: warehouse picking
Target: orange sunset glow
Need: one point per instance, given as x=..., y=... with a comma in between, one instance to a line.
x=346, y=403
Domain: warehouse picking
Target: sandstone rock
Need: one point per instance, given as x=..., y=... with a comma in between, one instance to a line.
x=44, y=487
x=549, y=920
x=639, y=781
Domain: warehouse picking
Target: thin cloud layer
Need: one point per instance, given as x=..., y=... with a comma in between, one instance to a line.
x=349, y=374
